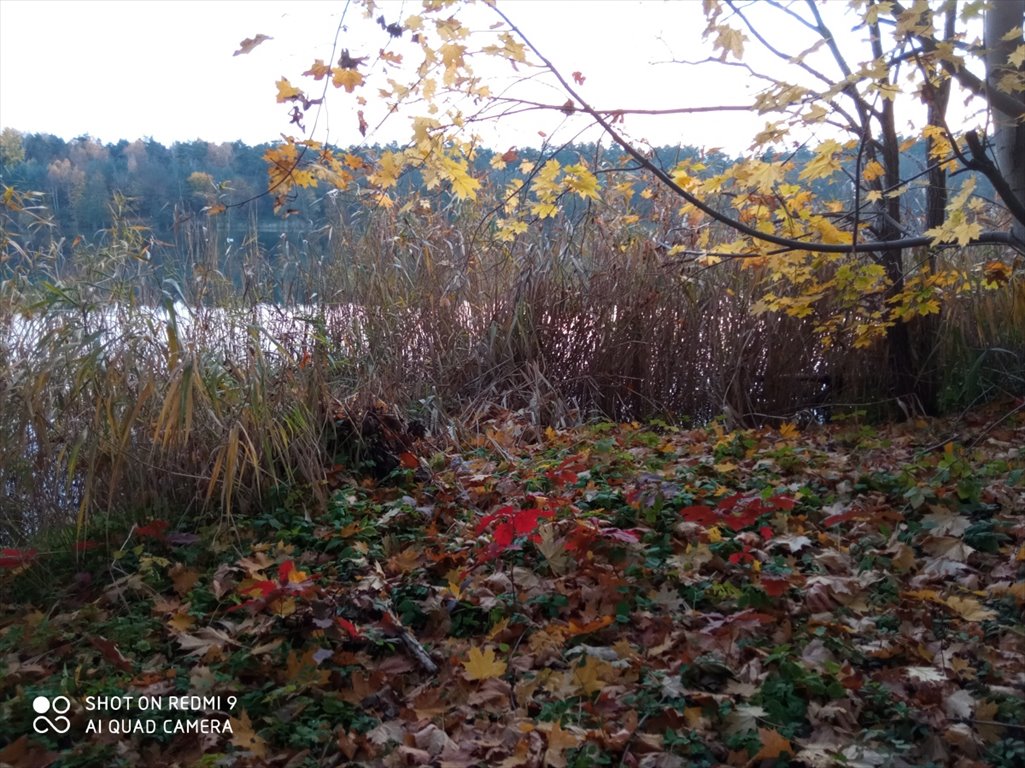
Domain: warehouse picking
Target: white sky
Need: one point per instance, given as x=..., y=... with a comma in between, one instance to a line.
x=164, y=68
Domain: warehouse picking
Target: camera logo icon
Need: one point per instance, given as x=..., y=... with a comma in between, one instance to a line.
x=59, y=706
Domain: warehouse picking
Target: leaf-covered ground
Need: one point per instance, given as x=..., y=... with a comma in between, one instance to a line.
x=634, y=595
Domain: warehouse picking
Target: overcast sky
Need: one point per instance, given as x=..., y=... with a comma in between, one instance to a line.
x=164, y=68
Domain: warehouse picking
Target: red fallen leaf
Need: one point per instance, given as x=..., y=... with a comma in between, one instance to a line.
x=742, y=518
x=253, y=605
x=349, y=627
x=774, y=587
x=700, y=514
x=527, y=519
x=784, y=503
x=499, y=514
x=154, y=529
x=729, y=503
x=111, y=653
x=843, y=517
x=504, y=535
x=284, y=570
x=13, y=558
x=408, y=460
x=265, y=588
x=742, y=557
x=766, y=532
x=567, y=472
x=561, y=476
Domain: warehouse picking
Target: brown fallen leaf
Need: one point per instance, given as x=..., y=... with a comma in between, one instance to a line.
x=112, y=653
x=558, y=742
x=184, y=579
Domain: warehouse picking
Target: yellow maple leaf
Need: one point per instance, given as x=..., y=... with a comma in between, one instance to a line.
x=970, y=609
x=873, y=170
x=244, y=737
x=788, y=430
x=544, y=210
x=287, y=91
x=464, y=186
x=319, y=70
x=1017, y=56
x=581, y=181
x=482, y=665
x=586, y=676
x=346, y=78
x=508, y=229
x=389, y=166
x=825, y=161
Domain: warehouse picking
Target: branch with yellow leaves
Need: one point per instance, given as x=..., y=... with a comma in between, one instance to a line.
x=874, y=246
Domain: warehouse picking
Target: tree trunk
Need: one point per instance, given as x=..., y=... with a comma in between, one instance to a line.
x=1002, y=17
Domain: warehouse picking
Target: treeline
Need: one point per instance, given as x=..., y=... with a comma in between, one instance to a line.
x=81, y=177
x=169, y=187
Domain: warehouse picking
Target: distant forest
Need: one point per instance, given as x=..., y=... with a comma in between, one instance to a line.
x=168, y=187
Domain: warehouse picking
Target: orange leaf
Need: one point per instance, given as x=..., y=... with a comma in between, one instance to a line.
x=590, y=626
x=773, y=745
x=408, y=460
